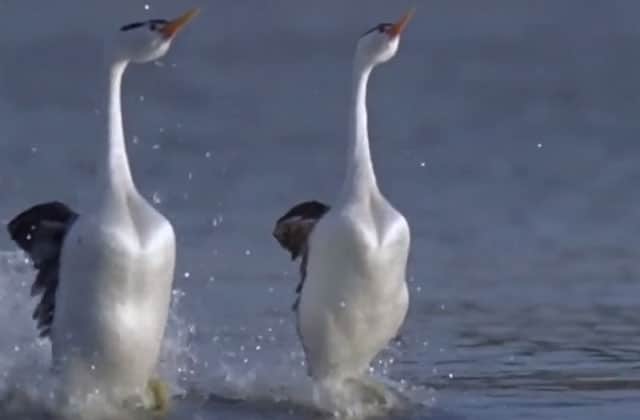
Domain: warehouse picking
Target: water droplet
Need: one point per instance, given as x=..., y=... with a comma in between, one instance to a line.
x=16, y=348
x=147, y=7
x=156, y=198
x=271, y=290
x=34, y=149
x=135, y=139
x=207, y=155
x=247, y=252
x=177, y=293
x=212, y=279
x=187, y=274
x=155, y=146
x=423, y=164
x=190, y=176
x=539, y=145
x=216, y=221
x=258, y=348
x=343, y=304
x=450, y=375
x=141, y=98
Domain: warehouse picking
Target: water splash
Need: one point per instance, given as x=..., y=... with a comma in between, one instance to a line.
x=233, y=364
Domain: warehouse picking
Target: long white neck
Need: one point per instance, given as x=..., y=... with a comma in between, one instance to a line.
x=360, y=177
x=114, y=174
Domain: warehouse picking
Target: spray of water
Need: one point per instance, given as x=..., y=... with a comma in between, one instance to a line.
x=258, y=370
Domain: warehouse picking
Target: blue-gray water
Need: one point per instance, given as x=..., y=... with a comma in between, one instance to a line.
x=505, y=130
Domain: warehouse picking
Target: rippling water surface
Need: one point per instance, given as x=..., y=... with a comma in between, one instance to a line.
x=505, y=130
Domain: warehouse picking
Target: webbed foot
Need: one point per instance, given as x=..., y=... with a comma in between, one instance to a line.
x=159, y=396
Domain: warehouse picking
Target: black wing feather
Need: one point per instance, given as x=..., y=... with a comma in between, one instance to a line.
x=40, y=232
x=292, y=232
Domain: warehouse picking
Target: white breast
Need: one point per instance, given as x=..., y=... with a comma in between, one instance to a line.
x=113, y=299
x=355, y=296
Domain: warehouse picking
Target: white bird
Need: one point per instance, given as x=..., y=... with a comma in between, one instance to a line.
x=353, y=291
x=106, y=275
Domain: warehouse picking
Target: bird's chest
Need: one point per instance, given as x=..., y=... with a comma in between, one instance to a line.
x=365, y=252
x=128, y=260
x=371, y=235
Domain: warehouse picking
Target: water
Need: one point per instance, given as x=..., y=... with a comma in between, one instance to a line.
x=506, y=131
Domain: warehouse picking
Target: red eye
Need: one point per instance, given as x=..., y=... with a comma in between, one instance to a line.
x=381, y=27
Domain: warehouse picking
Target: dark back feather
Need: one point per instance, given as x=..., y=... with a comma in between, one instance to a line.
x=40, y=232
x=292, y=231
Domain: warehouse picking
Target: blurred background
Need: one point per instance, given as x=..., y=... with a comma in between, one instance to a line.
x=505, y=130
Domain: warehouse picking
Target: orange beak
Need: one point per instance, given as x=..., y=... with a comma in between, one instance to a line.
x=172, y=28
x=399, y=27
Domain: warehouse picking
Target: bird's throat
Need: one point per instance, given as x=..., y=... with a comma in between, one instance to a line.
x=360, y=176
x=114, y=171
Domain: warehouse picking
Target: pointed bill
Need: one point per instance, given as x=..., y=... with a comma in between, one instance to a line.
x=174, y=26
x=399, y=27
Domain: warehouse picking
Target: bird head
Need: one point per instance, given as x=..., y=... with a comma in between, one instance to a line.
x=149, y=40
x=380, y=43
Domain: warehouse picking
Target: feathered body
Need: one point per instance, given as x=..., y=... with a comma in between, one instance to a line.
x=106, y=273
x=354, y=295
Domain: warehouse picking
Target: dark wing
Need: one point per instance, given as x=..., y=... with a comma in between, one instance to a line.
x=292, y=232
x=40, y=232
